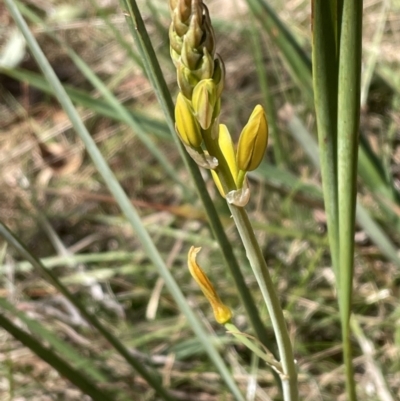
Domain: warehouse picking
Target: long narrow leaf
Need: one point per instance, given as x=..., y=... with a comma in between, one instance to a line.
x=348, y=125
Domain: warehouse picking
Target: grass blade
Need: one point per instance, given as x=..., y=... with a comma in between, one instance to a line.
x=348, y=125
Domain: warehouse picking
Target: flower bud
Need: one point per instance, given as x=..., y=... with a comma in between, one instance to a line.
x=195, y=33
x=219, y=75
x=203, y=100
x=175, y=42
x=209, y=42
x=189, y=56
x=222, y=313
x=206, y=69
x=186, y=80
x=187, y=127
x=253, y=141
x=226, y=145
x=180, y=27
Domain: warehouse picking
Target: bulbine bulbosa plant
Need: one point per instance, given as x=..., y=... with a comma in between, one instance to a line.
x=200, y=76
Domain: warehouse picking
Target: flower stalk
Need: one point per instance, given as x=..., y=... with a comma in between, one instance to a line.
x=200, y=76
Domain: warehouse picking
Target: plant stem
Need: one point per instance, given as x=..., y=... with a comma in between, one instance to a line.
x=268, y=358
x=348, y=131
x=260, y=270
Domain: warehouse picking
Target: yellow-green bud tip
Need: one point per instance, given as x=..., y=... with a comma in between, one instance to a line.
x=222, y=313
x=253, y=141
x=187, y=127
x=204, y=99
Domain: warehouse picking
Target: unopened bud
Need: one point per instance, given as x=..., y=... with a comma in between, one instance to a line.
x=186, y=80
x=203, y=100
x=253, y=141
x=195, y=33
x=189, y=56
x=187, y=127
x=219, y=75
x=221, y=312
x=226, y=145
x=206, y=69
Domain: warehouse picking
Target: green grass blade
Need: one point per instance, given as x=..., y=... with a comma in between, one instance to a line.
x=368, y=224
x=348, y=127
x=74, y=376
x=325, y=72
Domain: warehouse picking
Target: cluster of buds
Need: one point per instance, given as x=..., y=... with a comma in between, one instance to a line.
x=200, y=76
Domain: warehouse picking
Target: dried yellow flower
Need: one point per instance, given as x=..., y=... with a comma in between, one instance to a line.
x=222, y=313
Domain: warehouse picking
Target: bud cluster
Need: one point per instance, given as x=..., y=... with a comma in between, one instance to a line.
x=200, y=76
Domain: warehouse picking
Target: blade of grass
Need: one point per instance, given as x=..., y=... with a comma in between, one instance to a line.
x=364, y=219
x=325, y=72
x=129, y=211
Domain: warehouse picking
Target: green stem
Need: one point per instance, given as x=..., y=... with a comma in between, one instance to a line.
x=260, y=269
x=348, y=131
x=268, y=358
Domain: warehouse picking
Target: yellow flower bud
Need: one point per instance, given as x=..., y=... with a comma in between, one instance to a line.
x=253, y=141
x=222, y=313
x=203, y=101
x=187, y=127
x=226, y=145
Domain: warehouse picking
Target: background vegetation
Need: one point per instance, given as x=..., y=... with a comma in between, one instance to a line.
x=56, y=202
